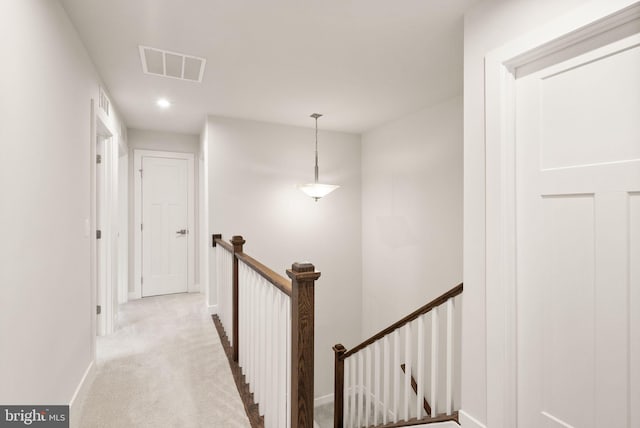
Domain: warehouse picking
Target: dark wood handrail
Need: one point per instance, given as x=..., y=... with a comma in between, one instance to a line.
x=412, y=316
x=274, y=278
x=224, y=244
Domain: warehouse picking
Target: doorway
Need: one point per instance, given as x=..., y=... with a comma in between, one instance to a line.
x=106, y=262
x=563, y=222
x=577, y=185
x=164, y=221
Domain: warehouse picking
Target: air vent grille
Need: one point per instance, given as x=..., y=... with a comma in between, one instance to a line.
x=159, y=62
x=103, y=102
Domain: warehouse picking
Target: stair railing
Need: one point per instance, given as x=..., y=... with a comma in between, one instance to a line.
x=270, y=322
x=375, y=384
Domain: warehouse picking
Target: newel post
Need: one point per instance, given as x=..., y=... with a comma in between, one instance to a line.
x=303, y=277
x=338, y=392
x=237, y=242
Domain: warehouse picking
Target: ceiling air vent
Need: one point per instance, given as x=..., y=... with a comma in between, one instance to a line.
x=174, y=65
x=103, y=102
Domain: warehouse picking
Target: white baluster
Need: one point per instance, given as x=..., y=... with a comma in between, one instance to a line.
x=262, y=353
x=434, y=361
x=219, y=282
x=352, y=394
x=279, y=356
x=223, y=289
x=263, y=343
x=345, y=392
x=360, y=356
x=274, y=358
x=268, y=356
x=276, y=355
x=288, y=383
x=385, y=369
x=420, y=369
x=225, y=303
x=407, y=369
x=368, y=385
x=256, y=331
x=396, y=375
x=376, y=379
x=246, y=317
x=250, y=327
x=240, y=313
x=449, y=390
x=246, y=314
x=254, y=338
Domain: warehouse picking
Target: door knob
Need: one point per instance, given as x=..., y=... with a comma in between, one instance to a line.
x=182, y=232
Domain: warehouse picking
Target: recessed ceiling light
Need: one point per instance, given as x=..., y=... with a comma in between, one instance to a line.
x=163, y=103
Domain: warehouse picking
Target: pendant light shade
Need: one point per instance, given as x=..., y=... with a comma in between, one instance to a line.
x=317, y=190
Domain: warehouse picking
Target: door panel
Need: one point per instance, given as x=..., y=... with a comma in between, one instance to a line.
x=584, y=119
x=568, y=306
x=164, y=213
x=577, y=181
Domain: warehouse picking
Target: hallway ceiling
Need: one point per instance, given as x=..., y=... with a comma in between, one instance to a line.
x=359, y=62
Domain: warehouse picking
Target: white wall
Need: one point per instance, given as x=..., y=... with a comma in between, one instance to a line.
x=47, y=312
x=162, y=141
x=412, y=217
x=411, y=213
x=488, y=25
x=254, y=168
x=140, y=139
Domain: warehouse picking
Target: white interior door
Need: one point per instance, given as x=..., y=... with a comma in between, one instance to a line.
x=100, y=263
x=165, y=225
x=578, y=241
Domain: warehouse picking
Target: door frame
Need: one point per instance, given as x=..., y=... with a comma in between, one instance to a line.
x=138, y=155
x=584, y=29
x=103, y=294
x=123, y=222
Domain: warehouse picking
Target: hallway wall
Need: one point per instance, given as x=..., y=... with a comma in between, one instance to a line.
x=411, y=212
x=162, y=141
x=412, y=216
x=47, y=328
x=254, y=168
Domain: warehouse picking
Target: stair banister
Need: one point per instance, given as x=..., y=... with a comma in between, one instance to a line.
x=359, y=399
x=253, y=293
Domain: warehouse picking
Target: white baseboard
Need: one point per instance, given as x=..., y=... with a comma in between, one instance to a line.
x=213, y=309
x=325, y=399
x=468, y=421
x=80, y=394
x=133, y=295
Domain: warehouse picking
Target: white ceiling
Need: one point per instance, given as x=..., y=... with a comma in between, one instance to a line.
x=359, y=62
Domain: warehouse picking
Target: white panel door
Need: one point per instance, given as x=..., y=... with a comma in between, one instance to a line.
x=164, y=226
x=578, y=241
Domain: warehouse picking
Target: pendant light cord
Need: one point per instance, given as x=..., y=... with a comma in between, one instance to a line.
x=316, y=170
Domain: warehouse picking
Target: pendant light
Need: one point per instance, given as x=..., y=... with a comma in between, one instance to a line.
x=315, y=189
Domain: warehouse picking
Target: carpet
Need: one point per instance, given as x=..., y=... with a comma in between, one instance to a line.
x=164, y=366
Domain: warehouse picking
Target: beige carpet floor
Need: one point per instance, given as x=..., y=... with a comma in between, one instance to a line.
x=163, y=367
